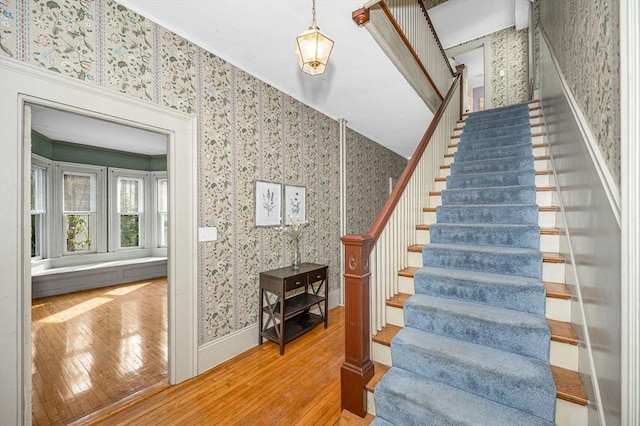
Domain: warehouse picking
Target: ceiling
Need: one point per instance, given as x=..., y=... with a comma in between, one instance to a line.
x=70, y=127
x=360, y=85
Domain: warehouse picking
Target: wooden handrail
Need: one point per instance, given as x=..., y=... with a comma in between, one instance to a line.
x=358, y=368
x=381, y=220
x=407, y=43
x=433, y=31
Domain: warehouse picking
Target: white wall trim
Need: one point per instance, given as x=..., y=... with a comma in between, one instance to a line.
x=608, y=182
x=572, y=269
x=630, y=178
x=343, y=198
x=223, y=349
x=485, y=43
x=220, y=350
x=23, y=83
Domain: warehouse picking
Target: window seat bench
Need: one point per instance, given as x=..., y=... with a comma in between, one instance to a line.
x=68, y=279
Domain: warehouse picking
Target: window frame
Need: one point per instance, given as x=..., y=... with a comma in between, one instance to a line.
x=155, y=177
x=146, y=227
x=57, y=236
x=45, y=221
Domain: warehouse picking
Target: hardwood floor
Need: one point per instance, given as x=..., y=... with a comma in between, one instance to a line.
x=94, y=348
x=259, y=387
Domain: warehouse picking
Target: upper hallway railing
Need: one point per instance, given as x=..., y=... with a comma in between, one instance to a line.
x=404, y=31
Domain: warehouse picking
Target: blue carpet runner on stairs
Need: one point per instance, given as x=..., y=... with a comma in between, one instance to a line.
x=475, y=346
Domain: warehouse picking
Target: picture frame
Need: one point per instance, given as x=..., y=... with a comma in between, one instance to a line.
x=294, y=203
x=267, y=203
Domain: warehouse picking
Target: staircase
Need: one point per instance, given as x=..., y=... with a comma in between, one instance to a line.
x=479, y=332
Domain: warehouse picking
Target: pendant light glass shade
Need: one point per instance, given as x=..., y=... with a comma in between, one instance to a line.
x=313, y=48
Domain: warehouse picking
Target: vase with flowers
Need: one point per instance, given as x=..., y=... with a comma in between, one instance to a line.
x=294, y=230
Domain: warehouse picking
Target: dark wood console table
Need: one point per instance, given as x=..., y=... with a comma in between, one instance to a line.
x=290, y=317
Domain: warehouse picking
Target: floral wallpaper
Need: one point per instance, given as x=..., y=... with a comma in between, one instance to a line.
x=247, y=130
x=509, y=52
x=585, y=38
x=371, y=165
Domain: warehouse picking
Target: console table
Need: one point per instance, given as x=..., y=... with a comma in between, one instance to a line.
x=290, y=317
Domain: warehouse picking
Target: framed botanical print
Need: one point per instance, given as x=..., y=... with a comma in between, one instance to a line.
x=268, y=203
x=294, y=204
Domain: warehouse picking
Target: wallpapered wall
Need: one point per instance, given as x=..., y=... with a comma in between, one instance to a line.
x=509, y=52
x=585, y=38
x=247, y=130
x=374, y=165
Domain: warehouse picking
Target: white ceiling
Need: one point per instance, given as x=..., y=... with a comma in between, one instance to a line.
x=360, y=85
x=69, y=127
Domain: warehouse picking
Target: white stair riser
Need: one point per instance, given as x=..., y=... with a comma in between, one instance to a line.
x=561, y=354
x=570, y=414
x=381, y=353
x=564, y=355
x=543, y=198
x=545, y=219
x=555, y=309
x=537, y=150
x=395, y=316
x=550, y=243
x=538, y=165
x=567, y=413
x=541, y=180
x=536, y=137
x=558, y=309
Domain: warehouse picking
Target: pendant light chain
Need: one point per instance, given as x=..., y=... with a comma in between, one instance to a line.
x=313, y=13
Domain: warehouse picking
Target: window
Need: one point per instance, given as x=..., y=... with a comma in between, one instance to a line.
x=130, y=211
x=38, y=210
x=130, y=201
x=79, y=211
x=162, y=228
x=81, y=198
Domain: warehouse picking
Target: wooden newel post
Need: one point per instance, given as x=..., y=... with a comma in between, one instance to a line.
x=460, y=70
x=357, y=369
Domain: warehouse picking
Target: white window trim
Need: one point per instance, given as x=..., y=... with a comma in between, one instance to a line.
x=114, y=228
x=155, y=241
x=45, y=244
x=57, y=239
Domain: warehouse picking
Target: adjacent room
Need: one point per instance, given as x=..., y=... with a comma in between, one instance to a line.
x=99, y=223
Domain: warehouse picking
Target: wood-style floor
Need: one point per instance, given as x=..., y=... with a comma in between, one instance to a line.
x=259, y=387
x=94, y=348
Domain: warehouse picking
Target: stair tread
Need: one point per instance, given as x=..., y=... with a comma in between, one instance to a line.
x=540, y=208
x=569, y=385
x=414, y=391
x=385, y=335
x=535, y=158
x=557, y=290
x=379, y=371
x=561, y=331
x=554, y=290
x=538, y=189
x=543, y=230
x=398, y=300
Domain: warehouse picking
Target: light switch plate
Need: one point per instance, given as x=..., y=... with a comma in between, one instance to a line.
x=207, y=234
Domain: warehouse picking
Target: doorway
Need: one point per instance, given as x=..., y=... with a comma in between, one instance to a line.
x=99, y=317
x=22, y=84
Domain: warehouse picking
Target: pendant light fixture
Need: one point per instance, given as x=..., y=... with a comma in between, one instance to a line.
x=313, y=47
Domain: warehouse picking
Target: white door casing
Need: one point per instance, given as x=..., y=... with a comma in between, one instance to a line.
x=20, y=84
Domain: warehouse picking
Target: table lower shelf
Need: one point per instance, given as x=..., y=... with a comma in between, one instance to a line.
x=294, y=327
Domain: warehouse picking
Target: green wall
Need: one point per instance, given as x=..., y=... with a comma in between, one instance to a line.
x=73, y=153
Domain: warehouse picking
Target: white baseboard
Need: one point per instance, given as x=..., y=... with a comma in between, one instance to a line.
x=223, y=349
